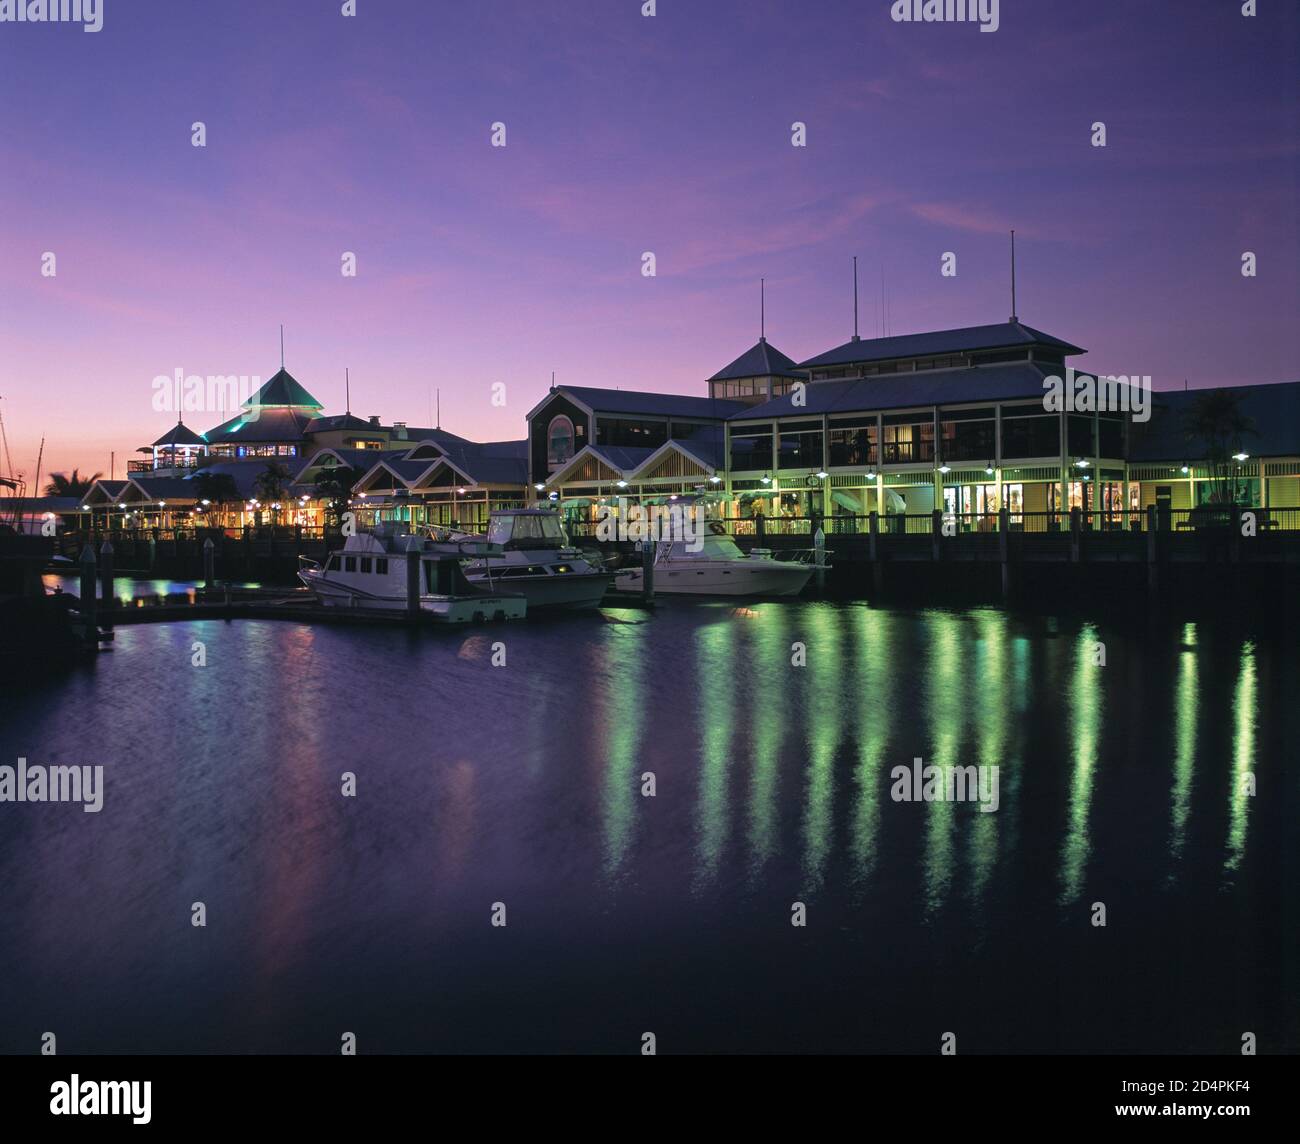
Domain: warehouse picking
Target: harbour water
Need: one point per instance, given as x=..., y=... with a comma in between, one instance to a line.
x=1125, y=784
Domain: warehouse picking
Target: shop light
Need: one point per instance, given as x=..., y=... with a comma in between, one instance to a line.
x=621, y=484
x=1185, y=470
x=767, y=480
x=944, y=469
x=821, y=476
x=715, y=480
x=1081, y=463
x=1241, y=456
x=989, y=468
x=540, y=487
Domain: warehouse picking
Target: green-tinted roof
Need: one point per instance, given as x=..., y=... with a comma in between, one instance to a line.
x=283, y=389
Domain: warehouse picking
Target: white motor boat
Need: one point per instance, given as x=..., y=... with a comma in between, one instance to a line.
x=719, y=568
x=370, y=572
x=536, y=560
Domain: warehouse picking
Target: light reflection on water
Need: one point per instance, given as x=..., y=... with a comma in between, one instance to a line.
x=523, y=784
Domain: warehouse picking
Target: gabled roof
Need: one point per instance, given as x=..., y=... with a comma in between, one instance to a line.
x=178, y=434
x=159, y=489
x=623, y=460
x=491, y=463
x=762, y=359
x=358, y=460
x=1272, y=410
x=638, y=401
x=407, y=472
x=1003, y=382
x=261, y=425
x=688, y=449
x=999, y=336
x=283, y=389
x=108, y=491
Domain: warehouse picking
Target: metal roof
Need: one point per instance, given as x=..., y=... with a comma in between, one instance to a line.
x=178, y=434
x=762, y=359
x=633, y=401
x=1002, y=382
x=1273, y=412
x=1003, y=334
x=282, y=389
x=262, y=425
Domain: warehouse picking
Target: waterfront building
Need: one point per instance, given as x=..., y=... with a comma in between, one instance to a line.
x=950, y=420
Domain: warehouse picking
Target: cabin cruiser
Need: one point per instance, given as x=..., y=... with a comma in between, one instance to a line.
x=537, y=561
x=371, y=569
x=719, y=568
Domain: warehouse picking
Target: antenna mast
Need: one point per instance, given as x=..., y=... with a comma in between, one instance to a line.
x=1013, y=277
x=855, y=298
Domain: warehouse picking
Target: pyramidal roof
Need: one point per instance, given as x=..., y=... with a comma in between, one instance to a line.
x=179, y=434
x=762, y=359
x=283, y=389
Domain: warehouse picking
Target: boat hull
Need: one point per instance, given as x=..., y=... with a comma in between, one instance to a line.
x=723, y=578
x=572, y=592
x=442, y=609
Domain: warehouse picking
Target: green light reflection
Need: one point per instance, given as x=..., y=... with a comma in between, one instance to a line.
x=1243, y=757
x=1085, y=730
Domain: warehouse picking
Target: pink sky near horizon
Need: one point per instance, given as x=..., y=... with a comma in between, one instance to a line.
x=479, y=265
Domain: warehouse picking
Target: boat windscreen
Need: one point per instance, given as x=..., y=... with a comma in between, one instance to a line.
x=526, y=530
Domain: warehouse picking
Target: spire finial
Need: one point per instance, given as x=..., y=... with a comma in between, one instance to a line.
x=762, y=309
x=347, y=389
x=282, y=345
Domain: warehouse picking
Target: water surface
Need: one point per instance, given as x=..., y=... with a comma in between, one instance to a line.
x=1122, y=784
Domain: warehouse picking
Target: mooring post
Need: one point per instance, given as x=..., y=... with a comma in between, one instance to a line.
x=209, y=563
x=412, y=577
x=819, y=557
x=88, y=589
x=1152, y=564
x=647, y=571
x=1076, y=528
x=873, y=535
x=106, y=598
x=936, y=532
x=1004, y=549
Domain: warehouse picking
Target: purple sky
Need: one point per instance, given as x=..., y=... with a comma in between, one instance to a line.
x=625, y=134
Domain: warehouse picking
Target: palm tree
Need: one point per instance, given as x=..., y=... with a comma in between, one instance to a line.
x=270, y=486
x=218, y=488
x=334, y=487
x=70, y=485
x=1215, y=423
